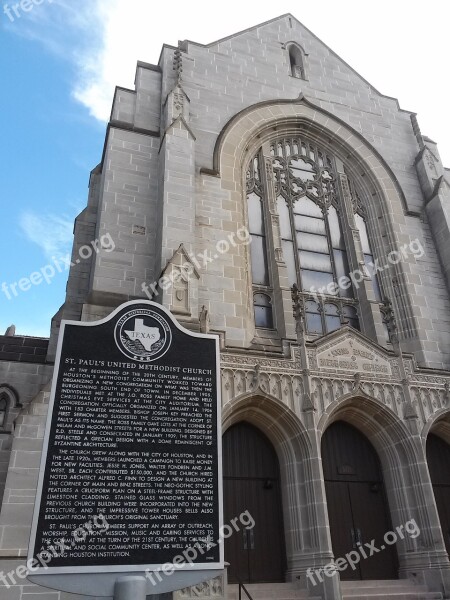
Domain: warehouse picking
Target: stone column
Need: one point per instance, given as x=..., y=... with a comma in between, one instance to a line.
x=316, y=570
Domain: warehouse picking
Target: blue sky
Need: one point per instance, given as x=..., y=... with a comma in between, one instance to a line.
x=59, y=63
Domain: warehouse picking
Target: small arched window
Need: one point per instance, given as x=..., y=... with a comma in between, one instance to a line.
x=296, y=61
x=3, y=409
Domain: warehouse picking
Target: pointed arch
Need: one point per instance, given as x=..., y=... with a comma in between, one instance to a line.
x=8, y=401
x=297, y=61
x=439, y=424
x=294, y=448
x=402, y=459
x=376, y=421
x=278, y=422
x=243, y=134
x=254, y=127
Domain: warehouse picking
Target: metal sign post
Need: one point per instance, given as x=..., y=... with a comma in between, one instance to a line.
x=130, y=588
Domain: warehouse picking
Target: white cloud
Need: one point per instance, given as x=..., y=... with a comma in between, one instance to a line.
x=52, y=233
x=391, y=53
x=400, y=50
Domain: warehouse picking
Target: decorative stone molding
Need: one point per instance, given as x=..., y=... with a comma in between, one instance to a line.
x=205, y=321
x=230, y=360
x=348, y=352
x=181, y=274
x=177, y=105
x=354, y=366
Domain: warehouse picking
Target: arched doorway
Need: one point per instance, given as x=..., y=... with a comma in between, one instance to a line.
x=357, y=506
x=251, y=482
x=438, y=456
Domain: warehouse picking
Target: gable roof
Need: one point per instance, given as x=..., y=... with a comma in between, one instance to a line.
x=291, y=16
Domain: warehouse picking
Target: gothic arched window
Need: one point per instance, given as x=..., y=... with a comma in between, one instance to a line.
x=296, y=61
x=3, y=409
x=306, y=197
x=257, y=229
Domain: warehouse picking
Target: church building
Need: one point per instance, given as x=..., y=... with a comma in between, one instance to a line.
x=261, y=190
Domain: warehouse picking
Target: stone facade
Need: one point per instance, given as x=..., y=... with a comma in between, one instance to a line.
x=170, y=192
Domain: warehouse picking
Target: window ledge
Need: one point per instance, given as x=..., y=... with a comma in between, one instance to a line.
x=299, y=78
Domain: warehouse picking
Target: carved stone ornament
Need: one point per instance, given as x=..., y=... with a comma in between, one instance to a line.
x=205, y=322
x=11, y=331
x=299, y=314
x=308, y=404
x=430, y=160
x=256, y=379
x=389, y=318
x=302, y=169
x=178, y=63
x=279, y=255
x=447, y=393
x=178, y=103
x=284, y=365
x=409, y=411
x=346, y=353
x=357, y=383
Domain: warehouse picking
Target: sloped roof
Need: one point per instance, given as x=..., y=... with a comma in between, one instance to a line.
x=291, y=16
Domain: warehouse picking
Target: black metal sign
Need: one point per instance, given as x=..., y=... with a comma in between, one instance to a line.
x=131, y=470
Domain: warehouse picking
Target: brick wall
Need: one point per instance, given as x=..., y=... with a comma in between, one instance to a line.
x=23, y=349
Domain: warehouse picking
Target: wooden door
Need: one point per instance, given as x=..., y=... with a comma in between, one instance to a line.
x=438, y=455
x=357, y=507
x=252, y=483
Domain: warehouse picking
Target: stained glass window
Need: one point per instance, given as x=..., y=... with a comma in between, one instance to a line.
x=368, y=256
x=263, y=311
x=312, y=240
x=259, y=263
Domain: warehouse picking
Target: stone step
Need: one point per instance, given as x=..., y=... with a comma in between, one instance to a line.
x=393, y=595
x=269, y=591
x=398, y=589
x=382, y=589
x=379, y=582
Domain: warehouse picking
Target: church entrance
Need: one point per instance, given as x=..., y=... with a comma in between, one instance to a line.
x=357, y=505
x=251, y=482
x=438, y=456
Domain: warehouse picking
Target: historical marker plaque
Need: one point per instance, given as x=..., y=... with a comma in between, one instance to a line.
x=131, y=468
